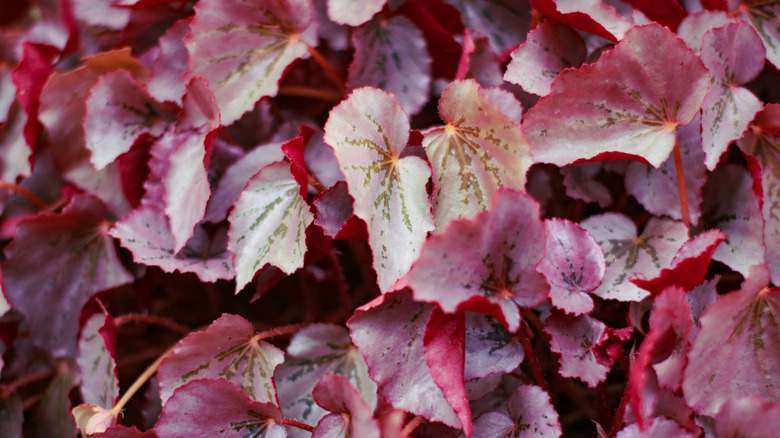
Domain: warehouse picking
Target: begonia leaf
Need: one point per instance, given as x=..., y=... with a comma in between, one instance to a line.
x=761, y=141
x=575, y=339
x=334, y=209
x=230, y=413
x=662, y=353
x=145, y=232
x=530, y=414
x=594, y=16
x=101, y=13
x=627, y=254
x=573, y=265
x=313, y=352
x=688, y=267
x=656, y=83
x=445, y=350
x=350, y=415
x=391, y=54
x=748, y=416
x=228, y=348
x=505, y=23
x=30, y=76
x=731, y=205
x=244, y=48
x=236, y=177
x=581, y=183
x=80, y=261
x=733, y=354
x=694, y=26
x=479, y=61
x=389, y=332
x=14, y=152
x=119, y=110
x=368, y=132
x=659, y=427
x=549, y=49
x=167, y=64
x=97, y=361
x=268, y=224
x=52, y=416
x=477, y=152
x=657, y=189
x=125, y=432
x=353, y=12
x=667, y=12
x=489, y=261
x=92, y=419
x=762, y=15
x=490, y=348
x=734, y=55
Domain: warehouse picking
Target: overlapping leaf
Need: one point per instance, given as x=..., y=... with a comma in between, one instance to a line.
x=391, y=54
x=575, y=339
x=487, y=263
x=368, y=132
x=478, y=151
x=167, y=64
x=594, y=16
x=734, y=353
x=529, y=414
x=628, y=103
x=489, y=347
x=229, y=413
x=80, y=261
x=313, y=352
x=228, y=348
x=353, y=12
x=505, y=23
x=389, y=332
x=573, y=265
x=734, y=55
x=243, y=48
x=763, y=16
x=627, y=254
x=659, y=427
x=97, y=361
x=549, y=49
x=749, y=416
x=581, y=183
x=268, y=224
x=350, y=414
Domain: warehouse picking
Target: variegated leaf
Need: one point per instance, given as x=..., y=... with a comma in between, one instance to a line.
x=228, y=348
x=244, y=47
x=764, y=16
x=268, y=224
x=477, y=152
x=368, y=132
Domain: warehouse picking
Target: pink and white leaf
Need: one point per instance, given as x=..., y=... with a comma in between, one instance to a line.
x=732, y=205
x=353, y=12
x=548, y=50
x=389, y=333
x=101, y=13
x=657, y=189
x=487, y=264
x=660, y=427
x=268, y=224
x=505, y=23
x=593, y=16
x=763, y=17
x=167, y=64
x=368, y=132
x=230, y=413
x=119, y=110
x=530, y=414
x=350, y=415
x=97, y=361
x=575, y=339
x=627, y=254
x=749, y=416
x=146, y=233
x=244, y=48
x=313, y=352
x=656, y=83
x=478, y=151
x=743, y=325
x=734, y=55
x=229, y=349
x=693, y=27
x=80, y=261
x=573, y=265
x=391, y=54
x=490, y=348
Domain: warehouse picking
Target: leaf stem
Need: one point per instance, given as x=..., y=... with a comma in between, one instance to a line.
x=678, y=164
x=617, y=422
x=139, y=382
x=412, y=425
x=38, y=202
x=319, y=59
x=30, y=378
x=533, y=361
x=314, y=93
x=152, y=319
x=297, y=424
x=278, y=331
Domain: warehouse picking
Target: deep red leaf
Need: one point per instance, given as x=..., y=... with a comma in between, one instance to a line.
x=30, y=76
x=595, y=17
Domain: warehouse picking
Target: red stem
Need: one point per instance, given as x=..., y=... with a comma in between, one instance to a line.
x=30, y=378
x=319, y=59
x=281, y=330
x=533, y=361
x=297, y=424
x=412, y=425
x=602, y=402
x=686, y=218
x=38, y=202
x=152, y=319
x=617, y=422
